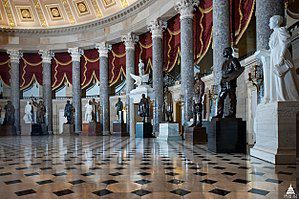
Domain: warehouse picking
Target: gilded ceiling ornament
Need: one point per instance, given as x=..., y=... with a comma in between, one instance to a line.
x=97, y=8
x=108, y=3
x=8, y=13
x=68, y=11
x=26, y=14
x=124, y=3
x=40, y=13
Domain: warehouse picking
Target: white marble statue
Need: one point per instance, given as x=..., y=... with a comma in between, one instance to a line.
x=284, y=80
x=281, y=82
x=88, y=112
x=142, y=78
x=28, y=113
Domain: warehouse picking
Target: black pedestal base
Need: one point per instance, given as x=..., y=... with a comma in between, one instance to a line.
x=8, y=130
x=144, y=130
x=120, y=127
x=227, y=135
x=199, y=134
x=39, y=129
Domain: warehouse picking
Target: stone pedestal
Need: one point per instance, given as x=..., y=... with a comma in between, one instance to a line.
x=94, y=128
x=8, y=130
x=275, y=129
x=144, y=130
x=68, y=129
x=169, y=131
x=26, y=129
x=199, y=134
x=227, y=135
x=39, y=129
x=120, y=127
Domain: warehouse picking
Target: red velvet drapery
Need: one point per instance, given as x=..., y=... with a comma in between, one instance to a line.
x=31, y=66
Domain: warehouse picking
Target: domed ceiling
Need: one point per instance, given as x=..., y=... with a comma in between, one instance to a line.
x=44, y=14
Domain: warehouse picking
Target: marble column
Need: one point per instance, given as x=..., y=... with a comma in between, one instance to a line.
x=265, y=9
x=103, y=49
x=186, y=9
x=76, y=85
x=47, y=87
x=221, y=37
x=156, y=27
x=15, y=56
x=130, y=39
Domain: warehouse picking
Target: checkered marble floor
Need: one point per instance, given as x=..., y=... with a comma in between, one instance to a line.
x=115, y=167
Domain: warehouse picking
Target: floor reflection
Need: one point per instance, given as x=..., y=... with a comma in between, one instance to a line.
x=115, y=167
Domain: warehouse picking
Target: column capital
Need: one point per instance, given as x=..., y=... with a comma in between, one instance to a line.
x=130, y=39
x=157, y=27
x=47, y=56
x=75, y=53
x=103, y=49
x=14, y=55
x=186, y=8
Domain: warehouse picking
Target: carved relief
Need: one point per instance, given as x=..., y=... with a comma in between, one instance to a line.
x=82, y=8
x=54, y=12
x=24, y=13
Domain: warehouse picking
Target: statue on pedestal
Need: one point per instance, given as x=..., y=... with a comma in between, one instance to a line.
x=119, y=110
x=144, y=108
x=88, y=112
x=68, y=112
x=28, y=113
x=168, y=105
x=231, y=70
x=142, y=79
x=96, y=110
x=284, y=82
x=41, y=111
x=199, y=90
x=9, y=118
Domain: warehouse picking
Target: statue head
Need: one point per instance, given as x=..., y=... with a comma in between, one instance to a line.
x=227, y=52
x=119, y=99
x=198, y=76
x=166, y=89
x=8, y=102
x=89, y=102
x=276, y=21
x=28, y=103
x=68, y=102
x=143, y=96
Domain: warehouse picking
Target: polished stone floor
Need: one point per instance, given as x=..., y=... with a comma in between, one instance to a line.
x=114, y=167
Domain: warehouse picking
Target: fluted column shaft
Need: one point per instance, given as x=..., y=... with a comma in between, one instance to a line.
x=265, y=9
x=76, y=87
x=15, y=56
x=103, y=49
x=186, y=9
x=129, y=40
x=156, y=27
x=47, y=87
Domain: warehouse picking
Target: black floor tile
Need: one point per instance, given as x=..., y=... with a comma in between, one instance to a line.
x=5, y=174
x=257, y=173
x=108, y=182
x=63, y=192
x=200, y=174
x=59, y=174
x=25, y=192
x=75, y=182
x=141, y=192
x=171, y=174
x=176, y=181
x=220, y=192
x=115, y=174
x=259, y=191
x=143, y=181
x=241, y=181
x=228, y=173
x=102, y=192
x=87, y=174
x=31, y=174
x=180, y=192
x=219, y=168
x=274, y=181
x=285, y=173
x=143, y=174
x=44, y=182
x=12, y=182
x=208, y=181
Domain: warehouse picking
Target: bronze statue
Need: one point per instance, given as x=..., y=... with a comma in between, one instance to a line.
x=199, y=90
x=231, y=70
x=41, y=111
x=68, y=112
x=119, y=110
x=95, y=110
x=144, y=108
x=168, y=105
x=9, y=118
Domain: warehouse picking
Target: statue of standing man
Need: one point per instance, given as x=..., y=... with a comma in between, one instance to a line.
x=41, y=111
x=9, y=118
x=168, y=105
x=68, y=112
x=144, y=108
x=199, y=90
x=119, y=110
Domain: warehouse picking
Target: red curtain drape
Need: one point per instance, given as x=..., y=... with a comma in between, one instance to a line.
x=31, y=66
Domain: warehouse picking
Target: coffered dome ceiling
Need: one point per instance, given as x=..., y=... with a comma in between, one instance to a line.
x=46, y=14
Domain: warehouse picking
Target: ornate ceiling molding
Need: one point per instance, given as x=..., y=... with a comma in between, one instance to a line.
x=98, y=23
